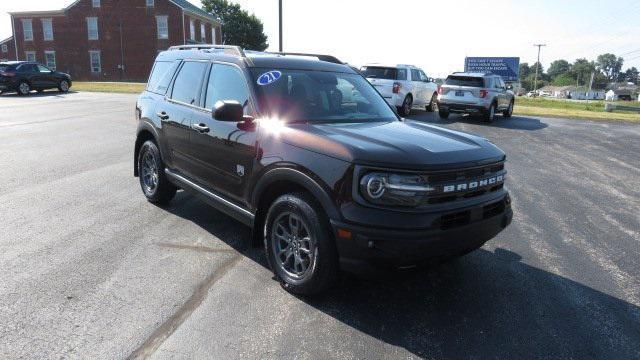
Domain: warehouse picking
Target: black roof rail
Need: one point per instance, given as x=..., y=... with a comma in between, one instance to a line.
x=327, y=58
x=230, y=49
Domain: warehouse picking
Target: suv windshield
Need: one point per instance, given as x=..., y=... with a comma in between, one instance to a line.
x=318, y=96
x=378, y=72
x=464, y=81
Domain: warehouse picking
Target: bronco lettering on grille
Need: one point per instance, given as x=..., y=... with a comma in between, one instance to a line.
x=473, y=184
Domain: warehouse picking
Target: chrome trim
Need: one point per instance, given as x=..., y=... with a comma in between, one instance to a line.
x=211, y=195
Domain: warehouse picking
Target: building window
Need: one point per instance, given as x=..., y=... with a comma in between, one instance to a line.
x=95, y=3
x=149, y=3
x=163, y=27
x=50, y=59
x=5, y=48
x=30, y=55
x=47, y=29
x=192, y=29
x=92, y=28
x=213, y=35
x=203, y=34
x=27, y=28
x=96, y=66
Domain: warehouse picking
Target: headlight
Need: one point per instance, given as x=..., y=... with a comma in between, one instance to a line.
x=394, y=189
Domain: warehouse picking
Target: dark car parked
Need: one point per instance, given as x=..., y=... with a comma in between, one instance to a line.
x=306, y=152
x=24, y=76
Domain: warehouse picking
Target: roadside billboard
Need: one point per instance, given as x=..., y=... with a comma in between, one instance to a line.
x=507, y=67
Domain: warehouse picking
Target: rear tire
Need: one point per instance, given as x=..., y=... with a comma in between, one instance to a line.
x=24, y=88
x=490, y=115
x=299, y=245
x=407, y=104
x=443, y=114
x=153, y=181
x=433, y=104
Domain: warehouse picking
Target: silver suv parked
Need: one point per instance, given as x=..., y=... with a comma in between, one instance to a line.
x=475, y=93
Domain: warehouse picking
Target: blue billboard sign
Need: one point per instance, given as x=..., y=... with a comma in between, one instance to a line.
x=507, y=67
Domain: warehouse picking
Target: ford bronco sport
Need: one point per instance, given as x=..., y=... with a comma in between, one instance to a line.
x=306, y=152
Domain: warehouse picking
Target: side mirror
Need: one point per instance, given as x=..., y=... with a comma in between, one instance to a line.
x=228, y=110
x=509, y=87
x=431, y=80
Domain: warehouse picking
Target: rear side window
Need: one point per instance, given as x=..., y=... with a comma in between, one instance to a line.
x=464, y=81
x=378, y=72
x=161, y=76
x=186, y=87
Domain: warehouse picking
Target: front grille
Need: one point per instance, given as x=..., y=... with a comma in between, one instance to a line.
x=464, y=177
x=461, y=218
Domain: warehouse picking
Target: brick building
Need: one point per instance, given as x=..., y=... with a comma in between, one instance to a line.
x=7, y=49
x=109, y=40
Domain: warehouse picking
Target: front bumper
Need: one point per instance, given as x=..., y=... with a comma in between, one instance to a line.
x=457, y=232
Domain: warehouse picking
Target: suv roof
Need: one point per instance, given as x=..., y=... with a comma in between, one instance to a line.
x=473, y=74
x=248, y=58
x=389, y=65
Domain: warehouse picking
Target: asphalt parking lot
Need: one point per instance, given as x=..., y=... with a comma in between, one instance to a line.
x=90, y=269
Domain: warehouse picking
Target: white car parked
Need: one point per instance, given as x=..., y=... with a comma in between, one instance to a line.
x=403, y=86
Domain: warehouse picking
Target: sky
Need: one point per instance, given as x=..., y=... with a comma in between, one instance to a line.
x=436, y=35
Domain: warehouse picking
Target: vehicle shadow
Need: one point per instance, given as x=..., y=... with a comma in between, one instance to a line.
x=484, y=305
x=46, y=93
x=515, y=122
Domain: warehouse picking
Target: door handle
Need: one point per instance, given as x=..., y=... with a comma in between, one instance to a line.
x=201, y=128
x=163, y=115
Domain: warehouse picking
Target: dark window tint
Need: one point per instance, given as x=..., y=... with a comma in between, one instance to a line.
x=43, y=69
x=402, y=74
x=415, y=75
x=187, y=85
x=226, y=82
x=465, y=81
x=381, y=73
x=161, y=76
x=4, y=67
x=28, y=68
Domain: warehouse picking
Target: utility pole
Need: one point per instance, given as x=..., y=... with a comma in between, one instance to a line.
x=535, y=81
x=280, y=22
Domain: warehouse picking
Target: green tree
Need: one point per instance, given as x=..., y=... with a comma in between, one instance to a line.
x=558, y=67
x=565, y=79
x=631, y=75
x=524, y=70
x=610, y=65
x=238, y=26
x=582, y=69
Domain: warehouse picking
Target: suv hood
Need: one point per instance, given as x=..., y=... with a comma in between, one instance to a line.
x=396, y=144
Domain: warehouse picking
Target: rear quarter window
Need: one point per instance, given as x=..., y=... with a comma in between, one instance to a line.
x=161, y=75
x=465, y=81
x=378, y=72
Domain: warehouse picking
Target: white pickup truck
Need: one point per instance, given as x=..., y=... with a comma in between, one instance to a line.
x=403, y=86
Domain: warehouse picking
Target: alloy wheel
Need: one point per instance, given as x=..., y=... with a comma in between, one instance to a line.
x=150, y=174
x=64, y=86
x=293, y=246
x=24, y=88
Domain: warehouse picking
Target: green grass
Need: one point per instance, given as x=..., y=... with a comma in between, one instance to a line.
x=592, y=110
x=110, y=87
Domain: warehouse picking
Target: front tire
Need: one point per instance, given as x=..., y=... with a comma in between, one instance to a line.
x=433, y=104
x=153, y=181
x=443, y=114
x=507, y=113
x=299, y=245
x=407, y=104
x=24, y=88
x=63, y=86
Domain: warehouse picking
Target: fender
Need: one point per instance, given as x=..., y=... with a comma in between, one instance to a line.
x=142, y=126
x=300, y=178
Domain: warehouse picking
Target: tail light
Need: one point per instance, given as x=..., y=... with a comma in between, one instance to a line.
x=7, y=74
x=396, y=87
x=483, y=93
x=440, y=90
